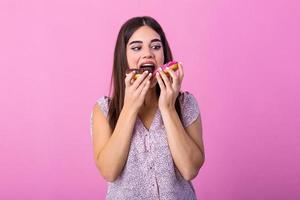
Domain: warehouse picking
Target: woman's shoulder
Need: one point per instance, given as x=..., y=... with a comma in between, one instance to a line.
x=99, y=107
x=186, y=97
x=103, y=99
x=103, y=103
x=189, y=108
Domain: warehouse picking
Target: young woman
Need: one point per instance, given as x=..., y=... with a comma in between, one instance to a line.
x=147, y=136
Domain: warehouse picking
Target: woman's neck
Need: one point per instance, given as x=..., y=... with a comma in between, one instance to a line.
x=151, y=99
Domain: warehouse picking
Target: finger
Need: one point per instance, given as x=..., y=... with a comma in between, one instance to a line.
x=174, y=77
x=180, y=70
x=142, y=85
x=139, y=80
x=160, y=82
x=145, y=88
x=165, y=79
x=128, y=78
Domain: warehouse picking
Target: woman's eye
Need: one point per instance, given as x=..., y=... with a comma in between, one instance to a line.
x=136, y=48
x=156, y=47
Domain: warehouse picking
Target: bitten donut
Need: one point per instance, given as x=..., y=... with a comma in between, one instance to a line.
x=172, y=65
x=139, y=72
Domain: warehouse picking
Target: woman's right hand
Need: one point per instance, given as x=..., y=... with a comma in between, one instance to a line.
x=135, y=90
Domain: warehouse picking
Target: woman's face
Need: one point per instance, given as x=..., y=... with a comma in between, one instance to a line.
x=144, y=48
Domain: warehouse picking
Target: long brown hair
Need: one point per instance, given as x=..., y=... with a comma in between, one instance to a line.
x=120, y=65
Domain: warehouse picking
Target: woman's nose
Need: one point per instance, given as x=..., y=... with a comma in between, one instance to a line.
x=147, y=53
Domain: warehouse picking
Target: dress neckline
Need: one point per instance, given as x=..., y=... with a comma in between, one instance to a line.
x=154, y=121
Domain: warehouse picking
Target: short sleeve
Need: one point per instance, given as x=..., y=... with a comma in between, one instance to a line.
x=103, y=104
x=189, y=108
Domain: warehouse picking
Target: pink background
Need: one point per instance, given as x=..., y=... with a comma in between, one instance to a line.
x=241, y=61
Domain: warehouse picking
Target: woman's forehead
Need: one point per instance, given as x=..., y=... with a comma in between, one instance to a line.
x=145, y=34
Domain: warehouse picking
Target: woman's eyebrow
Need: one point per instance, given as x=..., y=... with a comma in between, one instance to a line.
x=138, y=41
x=155, y=40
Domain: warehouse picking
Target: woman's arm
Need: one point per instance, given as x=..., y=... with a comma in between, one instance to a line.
x=111, y=150
x=111, y=147
x=186, y=145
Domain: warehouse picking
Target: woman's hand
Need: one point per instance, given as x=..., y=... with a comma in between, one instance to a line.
x=169, y=87
x=136, y=90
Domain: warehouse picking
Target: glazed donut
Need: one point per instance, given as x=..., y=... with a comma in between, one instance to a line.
x=139, y=72
x=172, y=65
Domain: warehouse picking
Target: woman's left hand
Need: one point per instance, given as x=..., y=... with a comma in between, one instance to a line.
x=169, y=87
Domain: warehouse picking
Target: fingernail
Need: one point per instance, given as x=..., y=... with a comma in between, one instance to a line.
x=180, y=63
x=150, y=74
x=160, y=69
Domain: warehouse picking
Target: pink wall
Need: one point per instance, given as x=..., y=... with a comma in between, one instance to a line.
x=240, y=60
